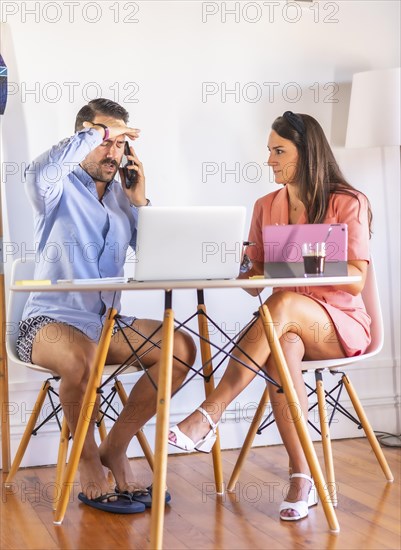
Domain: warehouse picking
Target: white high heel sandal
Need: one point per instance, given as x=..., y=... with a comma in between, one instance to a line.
x=300, y=506
x=186, y=444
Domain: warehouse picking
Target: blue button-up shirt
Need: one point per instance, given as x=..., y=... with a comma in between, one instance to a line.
x=76, y=235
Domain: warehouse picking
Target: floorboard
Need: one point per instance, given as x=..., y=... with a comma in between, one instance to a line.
x=368, y=508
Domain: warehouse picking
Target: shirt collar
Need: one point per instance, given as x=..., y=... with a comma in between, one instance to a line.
x=87, y=180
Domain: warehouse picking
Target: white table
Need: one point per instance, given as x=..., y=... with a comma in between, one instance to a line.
x=164, y=388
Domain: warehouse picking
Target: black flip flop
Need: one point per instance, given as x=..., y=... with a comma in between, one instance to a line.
x=123, y=505
x=143, y=496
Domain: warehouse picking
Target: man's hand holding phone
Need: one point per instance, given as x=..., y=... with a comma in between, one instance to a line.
x=128, y=168
x=132, y=177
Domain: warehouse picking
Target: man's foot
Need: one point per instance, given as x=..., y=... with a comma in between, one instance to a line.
x=93, y=477
x=115, y=503
x=120, y=467
x=125, y=483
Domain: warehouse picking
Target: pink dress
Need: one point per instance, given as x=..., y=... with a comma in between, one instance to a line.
x=347, y=312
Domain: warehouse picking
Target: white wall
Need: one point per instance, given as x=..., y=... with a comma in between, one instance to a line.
x=204, y=84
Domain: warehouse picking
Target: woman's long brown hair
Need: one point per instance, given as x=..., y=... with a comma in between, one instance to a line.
x=317, y=173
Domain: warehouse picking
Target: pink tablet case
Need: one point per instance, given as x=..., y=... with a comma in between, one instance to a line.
x=283, y=248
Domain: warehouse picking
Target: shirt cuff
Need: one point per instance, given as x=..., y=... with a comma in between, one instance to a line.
x=148, y=203
x=92, y=137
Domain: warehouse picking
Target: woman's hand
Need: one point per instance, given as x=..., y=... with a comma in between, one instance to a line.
x=256, y=270
x=356, y=267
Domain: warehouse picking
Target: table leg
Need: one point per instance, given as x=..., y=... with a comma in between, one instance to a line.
x=209, y=387
x=162, y=427
x=85, y=416
x=299, y=421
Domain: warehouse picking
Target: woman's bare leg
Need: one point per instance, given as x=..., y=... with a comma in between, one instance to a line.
x=305, y=331
x=235, y=379
x=294, y=350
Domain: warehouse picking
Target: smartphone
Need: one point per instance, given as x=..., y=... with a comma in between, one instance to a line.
x=131, y=176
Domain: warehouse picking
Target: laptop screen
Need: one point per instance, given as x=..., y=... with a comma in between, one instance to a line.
x=283, y=248
x=192, y=242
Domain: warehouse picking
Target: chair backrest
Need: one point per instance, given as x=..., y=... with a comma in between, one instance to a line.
x=21, y=270
x=370, y=295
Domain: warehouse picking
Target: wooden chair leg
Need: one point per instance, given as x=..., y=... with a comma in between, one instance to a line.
x=141, y=437
x=206, y=356
x=326, y=439
x=298, y=420
x=88, y=405
x=246, y=447
x=101, y=428
x=27, y=433
x=147, y=451
x=4, y=410
x=367, y=428
x=4, y=393
x=61, y=458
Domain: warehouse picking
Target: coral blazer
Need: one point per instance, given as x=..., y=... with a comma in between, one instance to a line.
x=347, y=312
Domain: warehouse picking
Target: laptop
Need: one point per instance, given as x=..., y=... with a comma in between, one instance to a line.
x=283, y=248
x=187, y=243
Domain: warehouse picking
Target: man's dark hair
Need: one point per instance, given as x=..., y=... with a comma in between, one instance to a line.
x=100, y=106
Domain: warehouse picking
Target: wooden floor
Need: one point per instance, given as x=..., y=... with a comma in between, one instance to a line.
x=368, y=510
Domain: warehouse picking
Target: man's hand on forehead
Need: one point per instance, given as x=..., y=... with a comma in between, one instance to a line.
x=116, y=127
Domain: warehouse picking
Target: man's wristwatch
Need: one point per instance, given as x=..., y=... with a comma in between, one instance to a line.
x=105, y=128
x=246, y=264
x=148, y=203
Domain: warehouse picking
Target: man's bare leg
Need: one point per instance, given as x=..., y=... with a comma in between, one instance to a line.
x=70, y=354
x=141, y=405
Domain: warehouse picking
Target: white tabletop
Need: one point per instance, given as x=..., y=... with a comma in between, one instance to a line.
x=97, y=284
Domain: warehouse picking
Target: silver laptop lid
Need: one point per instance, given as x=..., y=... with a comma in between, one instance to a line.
x=191, y=242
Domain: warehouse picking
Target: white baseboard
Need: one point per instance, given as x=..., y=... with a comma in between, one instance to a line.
x=381, y=402
x=382, y=414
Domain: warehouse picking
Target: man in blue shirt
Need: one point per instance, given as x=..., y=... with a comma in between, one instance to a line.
x=85, y=220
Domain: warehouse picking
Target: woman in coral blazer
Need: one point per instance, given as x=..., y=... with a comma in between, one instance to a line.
x=313, y=323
